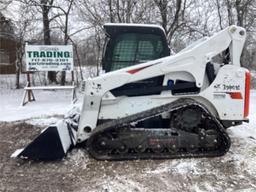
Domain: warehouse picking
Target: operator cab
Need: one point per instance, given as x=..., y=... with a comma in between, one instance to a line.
x=131, y=44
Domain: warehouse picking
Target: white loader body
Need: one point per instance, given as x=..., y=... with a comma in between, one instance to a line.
x=190, y=64
x=220, y=92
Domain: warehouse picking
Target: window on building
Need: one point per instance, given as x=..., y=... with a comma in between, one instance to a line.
x=4, y=58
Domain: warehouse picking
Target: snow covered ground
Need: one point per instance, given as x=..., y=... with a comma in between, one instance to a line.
x=48, y=102
x=233, y=172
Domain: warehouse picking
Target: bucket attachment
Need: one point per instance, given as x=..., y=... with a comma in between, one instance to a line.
x=52, y=144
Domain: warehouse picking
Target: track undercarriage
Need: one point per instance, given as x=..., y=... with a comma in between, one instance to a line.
x=198, y=134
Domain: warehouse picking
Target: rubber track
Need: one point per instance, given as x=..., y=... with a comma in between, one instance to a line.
x=176, y=105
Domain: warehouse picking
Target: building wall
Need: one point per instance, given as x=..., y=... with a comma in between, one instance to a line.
x=7, y=47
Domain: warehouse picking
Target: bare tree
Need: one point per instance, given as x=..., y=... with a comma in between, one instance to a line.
x=172, y=15
x=183, y=20
x=64, y=27
x=61, y=17
x=219, y=13
x=242, y=13
x=46, y=7
x=96, y=13
x=4, y=4
x=21, y=30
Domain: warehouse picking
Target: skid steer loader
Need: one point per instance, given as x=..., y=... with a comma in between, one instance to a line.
x=153, y=105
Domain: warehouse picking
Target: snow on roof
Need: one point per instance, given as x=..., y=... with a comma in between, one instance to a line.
x=135, y=25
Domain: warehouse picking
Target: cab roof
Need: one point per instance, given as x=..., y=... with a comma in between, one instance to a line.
x=116, y=28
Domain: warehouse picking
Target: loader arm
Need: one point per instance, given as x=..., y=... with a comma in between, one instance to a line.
x=192, y=61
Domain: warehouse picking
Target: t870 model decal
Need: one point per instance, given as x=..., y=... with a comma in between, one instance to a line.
x=226, y=87
x=231, y=87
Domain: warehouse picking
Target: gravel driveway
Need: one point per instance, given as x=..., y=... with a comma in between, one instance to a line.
x=78, y=172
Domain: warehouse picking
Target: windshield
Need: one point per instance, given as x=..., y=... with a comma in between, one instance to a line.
x=132, y=48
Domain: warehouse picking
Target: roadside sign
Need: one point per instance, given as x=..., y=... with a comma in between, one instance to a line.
x=49, y=57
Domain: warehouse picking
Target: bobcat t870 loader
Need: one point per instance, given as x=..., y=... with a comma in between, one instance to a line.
x=150, y=105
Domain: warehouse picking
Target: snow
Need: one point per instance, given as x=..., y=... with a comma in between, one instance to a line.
x=48, y=103
x=43, y=121
x=135, y=25
x=16, y=153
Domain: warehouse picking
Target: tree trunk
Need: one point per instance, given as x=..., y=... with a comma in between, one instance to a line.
x=219, y=14
x=229, y=10
x=18, y=66
x=63, y=73
x=240, y=13
x=47, y=36
x=162, y=6
x=17, y=74
x=66, y=37
x=111, y=11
